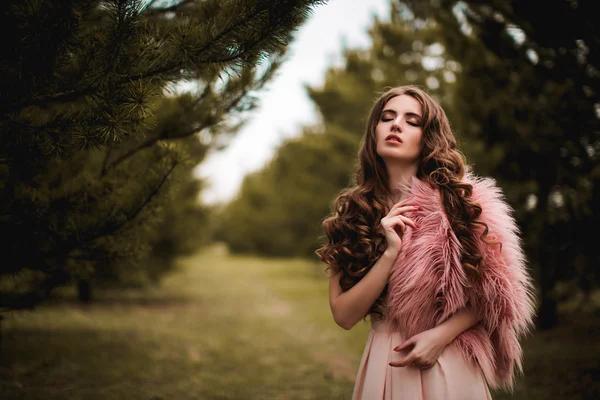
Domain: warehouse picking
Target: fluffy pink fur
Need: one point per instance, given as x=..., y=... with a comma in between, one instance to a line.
x=428, y=283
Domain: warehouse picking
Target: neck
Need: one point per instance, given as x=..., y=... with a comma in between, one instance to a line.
x=400, y=176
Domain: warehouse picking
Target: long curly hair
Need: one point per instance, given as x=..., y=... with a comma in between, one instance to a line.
x=355, y=241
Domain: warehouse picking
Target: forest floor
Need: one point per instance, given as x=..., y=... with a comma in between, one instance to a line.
x=227, y=327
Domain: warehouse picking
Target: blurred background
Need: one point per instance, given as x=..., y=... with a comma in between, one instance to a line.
x=165, y=167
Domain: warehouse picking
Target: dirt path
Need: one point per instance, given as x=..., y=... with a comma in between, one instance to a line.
x=296, y=325
x=220, y=328
x=260, y=297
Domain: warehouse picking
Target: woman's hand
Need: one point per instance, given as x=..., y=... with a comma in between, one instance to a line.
x=425, y=349
x=394, y=225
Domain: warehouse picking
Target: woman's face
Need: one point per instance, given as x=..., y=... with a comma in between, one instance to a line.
x=399, y=131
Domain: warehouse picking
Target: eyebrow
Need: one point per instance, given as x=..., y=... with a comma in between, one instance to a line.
x=408, y=114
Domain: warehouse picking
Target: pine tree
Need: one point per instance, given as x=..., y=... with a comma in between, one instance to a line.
x=93, y=141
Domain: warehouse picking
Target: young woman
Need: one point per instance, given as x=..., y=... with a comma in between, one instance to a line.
x=432, y=254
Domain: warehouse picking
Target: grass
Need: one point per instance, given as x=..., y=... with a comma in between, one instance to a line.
x=226, y=327
x=215, y=330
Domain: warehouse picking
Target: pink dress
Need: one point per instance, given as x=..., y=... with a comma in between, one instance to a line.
x=451, y=378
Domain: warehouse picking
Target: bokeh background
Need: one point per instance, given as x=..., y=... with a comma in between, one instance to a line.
x=165, y=167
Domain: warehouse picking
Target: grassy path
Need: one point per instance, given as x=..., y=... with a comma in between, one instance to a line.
x=222, y=328
x=227, y=327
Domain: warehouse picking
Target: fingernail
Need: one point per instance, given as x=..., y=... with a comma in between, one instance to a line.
x=396, y=348
x=416, y=207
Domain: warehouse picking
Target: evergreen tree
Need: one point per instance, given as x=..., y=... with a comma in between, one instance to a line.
x=91, y=144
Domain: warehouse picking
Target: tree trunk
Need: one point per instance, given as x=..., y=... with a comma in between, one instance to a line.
x=547, y=259
x=548, y=315
x=84, y=290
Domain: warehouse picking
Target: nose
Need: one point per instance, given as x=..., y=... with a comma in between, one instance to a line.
x=397, y=125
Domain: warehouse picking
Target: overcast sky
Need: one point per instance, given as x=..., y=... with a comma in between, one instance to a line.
x=284, y=106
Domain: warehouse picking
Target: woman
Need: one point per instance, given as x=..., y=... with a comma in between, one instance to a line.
x=432, y=254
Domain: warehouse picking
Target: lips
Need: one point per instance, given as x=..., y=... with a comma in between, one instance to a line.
x=393, y=138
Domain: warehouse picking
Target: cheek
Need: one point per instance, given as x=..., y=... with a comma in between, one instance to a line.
x=380, y=135
x=418, y=139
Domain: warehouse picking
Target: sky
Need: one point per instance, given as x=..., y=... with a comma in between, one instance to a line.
x=284, y=106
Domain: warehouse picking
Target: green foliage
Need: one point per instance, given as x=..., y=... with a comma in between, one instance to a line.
x=277, y=211
x=96, y=155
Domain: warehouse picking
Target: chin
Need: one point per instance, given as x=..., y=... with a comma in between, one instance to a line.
x=390, y=157
x=393, y=155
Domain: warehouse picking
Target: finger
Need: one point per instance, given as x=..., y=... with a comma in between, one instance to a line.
x=401, y=209
x=408, y=221
x=403, y=362
x=398, y=221
x=394, y=214
x=405, y=345
x=422, y=364
x=403, y=203
x=389, y=223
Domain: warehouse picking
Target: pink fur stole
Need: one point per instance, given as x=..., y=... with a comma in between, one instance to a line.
x=428, y=284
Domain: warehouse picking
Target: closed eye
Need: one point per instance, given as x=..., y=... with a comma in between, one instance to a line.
x=408, y=122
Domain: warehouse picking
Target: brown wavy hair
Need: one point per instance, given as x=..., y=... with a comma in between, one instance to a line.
x=354, y=239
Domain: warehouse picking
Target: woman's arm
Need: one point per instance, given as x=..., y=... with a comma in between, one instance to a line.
x=425, y=348
x=459, y=322
x=351, y=306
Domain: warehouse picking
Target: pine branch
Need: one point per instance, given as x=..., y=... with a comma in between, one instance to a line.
x=242, y=22
x=150, y=142
x=245, y=20
x=259, y=83
x=152, y=194
x=63, y=249
x=63, y=97
x=146, y=144
x=91, y=89
x=149, y=74
x=105, y=162
x=110, y=228
x=162, y=136
x=71, y=96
